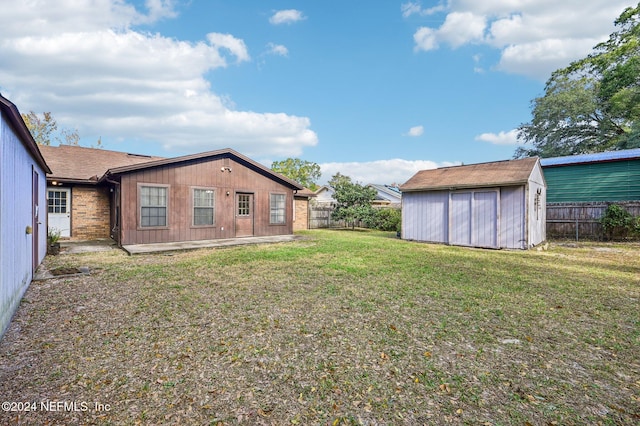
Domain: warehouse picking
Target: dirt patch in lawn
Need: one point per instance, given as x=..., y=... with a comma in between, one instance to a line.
x=65, y=271
x=343, y=328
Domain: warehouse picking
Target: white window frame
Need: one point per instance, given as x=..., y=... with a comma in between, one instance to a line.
x=279, y=210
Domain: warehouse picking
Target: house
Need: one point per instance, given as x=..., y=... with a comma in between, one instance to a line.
x=581, y=187
x=324, y=195
x=23, y=219
x=79, y=205
x=605, y=176
x=139, y=200
x=211, y=195
x=386, y=195
x=493, y=205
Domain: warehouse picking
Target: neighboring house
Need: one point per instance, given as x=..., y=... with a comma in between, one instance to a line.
x=23, y=218
x=493, y=205
x=324, y=195
x=386, y=195
x=605, y=176
x=211, y=195
x=580, y=188
x=79, y=206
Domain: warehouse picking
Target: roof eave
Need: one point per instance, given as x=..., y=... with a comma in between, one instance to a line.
x=19, y=126
x=74, y=180
x=222, y=152
x=461, y=187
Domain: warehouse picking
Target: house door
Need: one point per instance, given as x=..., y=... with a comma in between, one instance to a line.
x=35, y=241
x=244, y=215
x=59, y=209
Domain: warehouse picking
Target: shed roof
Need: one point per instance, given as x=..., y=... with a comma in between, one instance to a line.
x=71, y=163
x=22, y=131
x=221, y=153
x=482, y=175
x=625, y=154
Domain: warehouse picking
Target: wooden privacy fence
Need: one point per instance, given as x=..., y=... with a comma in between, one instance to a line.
x=320, y=217
x=581, y=220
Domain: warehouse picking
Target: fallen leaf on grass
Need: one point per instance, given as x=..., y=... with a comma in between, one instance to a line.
x=445, y=388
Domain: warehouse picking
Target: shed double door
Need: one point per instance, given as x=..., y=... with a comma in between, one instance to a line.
x=474, y=219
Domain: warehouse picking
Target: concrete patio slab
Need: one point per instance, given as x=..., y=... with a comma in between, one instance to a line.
x=191, y=245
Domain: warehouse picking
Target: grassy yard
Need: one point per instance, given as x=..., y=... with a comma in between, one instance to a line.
x=341, y=327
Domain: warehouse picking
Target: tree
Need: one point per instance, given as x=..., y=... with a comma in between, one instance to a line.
x=592, y=105
x=306, y=173
x=44, y=130
x=41, y=128
x=353, y=201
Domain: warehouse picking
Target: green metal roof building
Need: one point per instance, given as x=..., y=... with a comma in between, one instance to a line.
x=605, y=176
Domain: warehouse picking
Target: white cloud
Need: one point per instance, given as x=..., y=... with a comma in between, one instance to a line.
x=535, y=37
x=462, y=27
x=84, y=62
x=159, y=9
x=426, y=39
x=381, y=171
x=229, y=42
x=502, y=138
x=288, y=16
x=416, y=131
x=277, y=49
x=415, y=8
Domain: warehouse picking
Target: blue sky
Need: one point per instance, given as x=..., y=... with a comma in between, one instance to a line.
x=373, y=90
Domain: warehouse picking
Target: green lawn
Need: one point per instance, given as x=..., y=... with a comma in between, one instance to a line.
x=342, y=327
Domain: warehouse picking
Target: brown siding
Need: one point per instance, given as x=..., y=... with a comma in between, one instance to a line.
x=301, y=221
x=181, y=179
x=90, y=213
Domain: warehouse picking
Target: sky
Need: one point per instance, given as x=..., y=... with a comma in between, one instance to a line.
x=375, y=90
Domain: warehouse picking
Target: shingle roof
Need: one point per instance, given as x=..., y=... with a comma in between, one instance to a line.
x=227, y=152
x=625, y=154
x=72, y=163
x=499, y=173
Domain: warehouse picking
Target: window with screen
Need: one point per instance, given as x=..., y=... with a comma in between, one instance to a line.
x=153, y=206
x=203, y=207
x=277, y=208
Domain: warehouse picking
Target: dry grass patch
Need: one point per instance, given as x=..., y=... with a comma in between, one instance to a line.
x=340, y=328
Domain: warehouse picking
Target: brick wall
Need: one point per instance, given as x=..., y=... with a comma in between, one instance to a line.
x=90, y=213
x=302, y=214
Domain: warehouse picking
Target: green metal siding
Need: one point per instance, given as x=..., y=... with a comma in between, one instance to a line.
x=610, y=181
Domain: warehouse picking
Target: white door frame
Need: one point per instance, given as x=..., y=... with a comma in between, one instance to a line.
x=59, y=210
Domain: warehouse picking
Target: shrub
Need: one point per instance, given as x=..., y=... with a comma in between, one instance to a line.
x=618, y=222
x=385, y=219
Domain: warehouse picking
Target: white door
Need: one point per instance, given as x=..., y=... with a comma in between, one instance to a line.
x=59, y=202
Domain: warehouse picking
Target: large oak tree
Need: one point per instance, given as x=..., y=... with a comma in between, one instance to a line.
x=592, y=105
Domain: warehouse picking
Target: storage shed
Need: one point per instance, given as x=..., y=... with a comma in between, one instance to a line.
x=493, y=205
x=23, y=217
